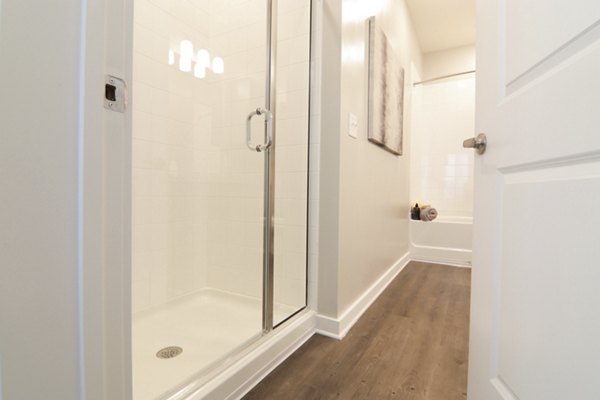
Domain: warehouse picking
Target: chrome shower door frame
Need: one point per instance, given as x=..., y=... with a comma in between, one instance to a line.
x=268, y=147
x=269, y=174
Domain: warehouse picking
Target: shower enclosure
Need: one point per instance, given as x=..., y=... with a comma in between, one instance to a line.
x=220, y=100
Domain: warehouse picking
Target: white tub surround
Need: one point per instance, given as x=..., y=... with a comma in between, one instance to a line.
x=441, y=170
x=446, y=240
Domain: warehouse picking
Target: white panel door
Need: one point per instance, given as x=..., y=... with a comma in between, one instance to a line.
x=535, y=322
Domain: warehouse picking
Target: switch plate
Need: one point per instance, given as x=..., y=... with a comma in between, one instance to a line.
x=353, y=125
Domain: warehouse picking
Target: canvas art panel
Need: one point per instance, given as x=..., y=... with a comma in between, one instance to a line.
x=386, y=92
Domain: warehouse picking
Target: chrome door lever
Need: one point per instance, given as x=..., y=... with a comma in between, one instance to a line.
x=269, y=136
x=478, y=143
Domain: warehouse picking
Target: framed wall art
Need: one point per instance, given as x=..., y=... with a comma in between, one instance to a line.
x=386, y=92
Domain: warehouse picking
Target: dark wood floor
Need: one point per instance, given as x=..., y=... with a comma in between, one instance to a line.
x=411, y=344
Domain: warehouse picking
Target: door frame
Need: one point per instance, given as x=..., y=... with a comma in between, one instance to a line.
x=104, y=211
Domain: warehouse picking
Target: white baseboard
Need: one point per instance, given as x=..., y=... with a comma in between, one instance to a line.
x=443, y=261
x=338, y=328
x=328, y=326
x=441, y=255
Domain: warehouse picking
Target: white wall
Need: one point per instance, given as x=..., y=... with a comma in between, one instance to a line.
x=444, y=116
x=64, y=249
x=39, y=113
x=315, y=152
x=450, y=61
x=329, y=177
x=364, y=190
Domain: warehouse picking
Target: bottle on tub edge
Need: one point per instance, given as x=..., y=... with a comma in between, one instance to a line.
x=415, y=212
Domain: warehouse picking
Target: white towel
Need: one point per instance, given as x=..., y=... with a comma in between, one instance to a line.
x=428, y=214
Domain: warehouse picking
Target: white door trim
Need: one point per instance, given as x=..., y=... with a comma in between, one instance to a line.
x=104, y=215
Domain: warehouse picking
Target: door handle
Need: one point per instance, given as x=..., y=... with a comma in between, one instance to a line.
x=478, y=143
x=269, y=137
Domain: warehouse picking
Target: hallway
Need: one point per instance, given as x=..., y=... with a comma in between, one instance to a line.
x=411, y=344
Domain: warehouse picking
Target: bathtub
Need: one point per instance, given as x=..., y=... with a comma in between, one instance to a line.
x=446, y=240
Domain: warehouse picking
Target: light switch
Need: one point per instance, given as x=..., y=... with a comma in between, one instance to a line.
x=352, y=125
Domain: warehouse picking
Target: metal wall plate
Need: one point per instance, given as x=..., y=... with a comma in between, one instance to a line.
x=115, y=94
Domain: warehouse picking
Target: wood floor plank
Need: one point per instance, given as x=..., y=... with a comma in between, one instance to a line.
x=412, y=344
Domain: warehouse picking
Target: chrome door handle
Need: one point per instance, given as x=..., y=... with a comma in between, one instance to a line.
x=478, y=143
x=269, y=121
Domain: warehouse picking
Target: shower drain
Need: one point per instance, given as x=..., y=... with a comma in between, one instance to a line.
x=169, y=352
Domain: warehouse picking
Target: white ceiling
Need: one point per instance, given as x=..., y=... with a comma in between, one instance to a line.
x=443, y=24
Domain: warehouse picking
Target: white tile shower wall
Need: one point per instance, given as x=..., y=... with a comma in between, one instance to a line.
x=237, y=33
x=441, y=170
x=235, y=261
x=197, y=190
x=171, y=161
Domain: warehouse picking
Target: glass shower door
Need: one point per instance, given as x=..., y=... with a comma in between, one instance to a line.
x=200, y=68
x=292, y=73
x=220, y=181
